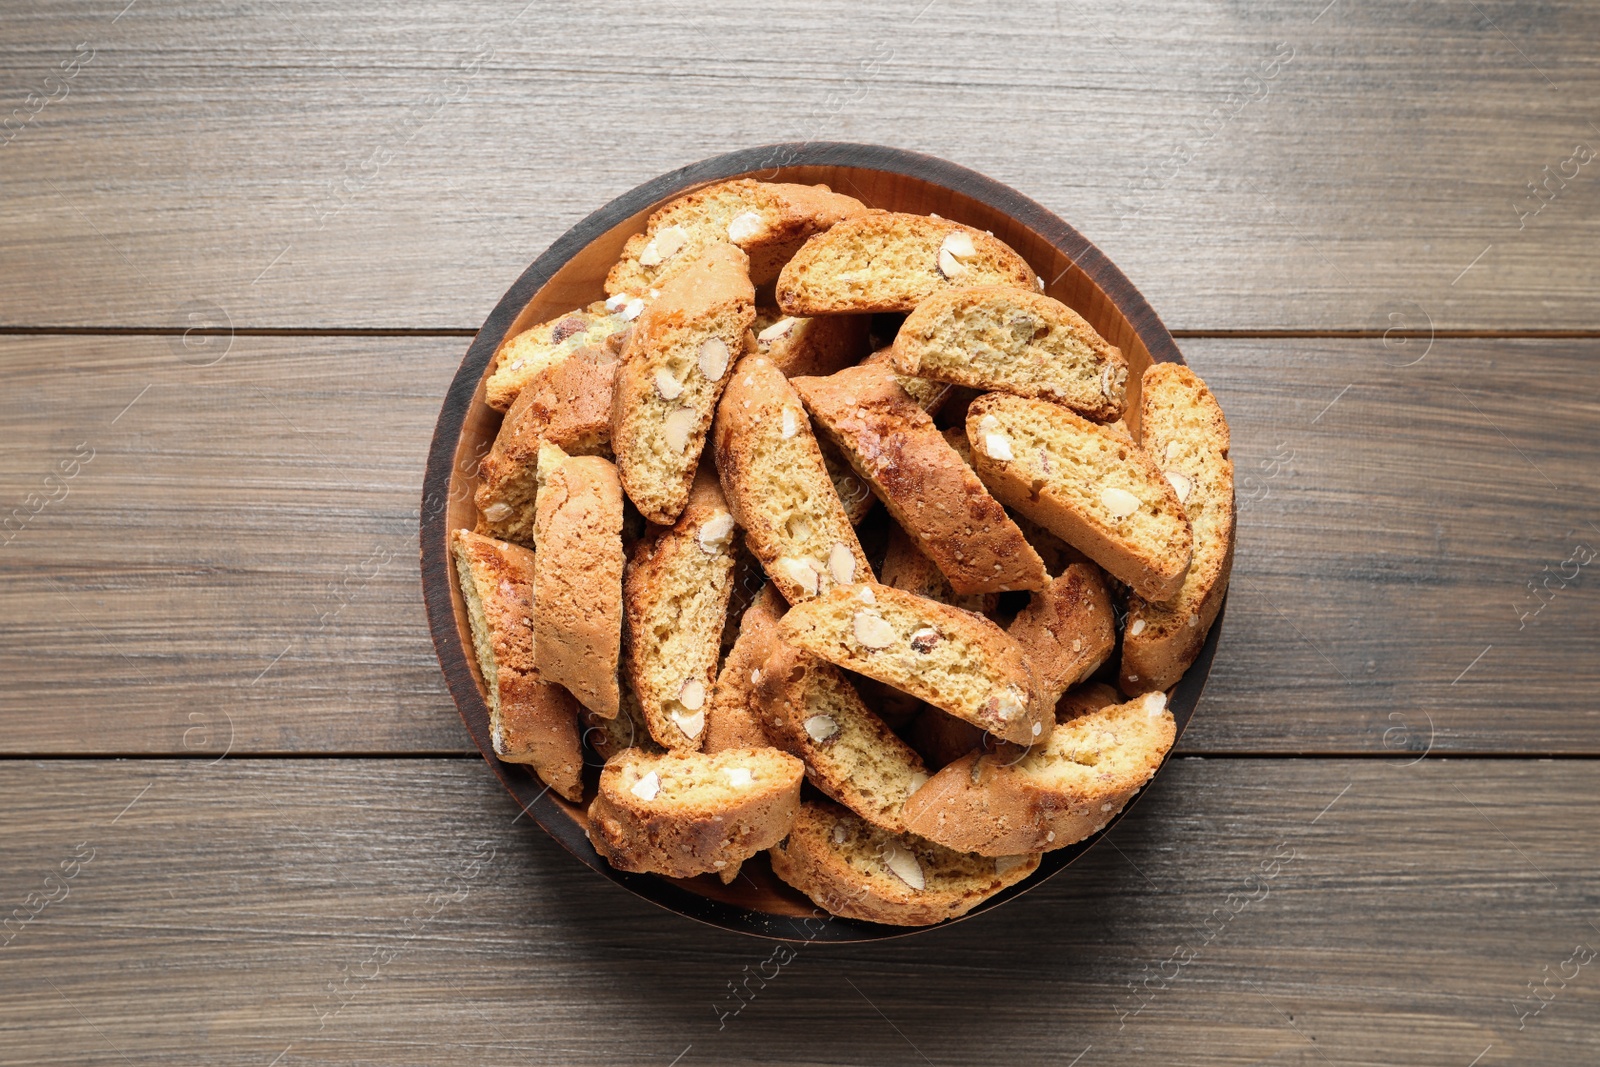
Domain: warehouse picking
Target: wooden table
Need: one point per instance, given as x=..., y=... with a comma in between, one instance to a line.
x=244, y=249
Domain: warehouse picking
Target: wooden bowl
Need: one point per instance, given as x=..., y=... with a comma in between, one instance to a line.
x=570, y=275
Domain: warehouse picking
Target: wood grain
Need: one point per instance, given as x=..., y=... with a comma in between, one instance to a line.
x=267, y=504
x=1289, y=165
x=1347, y=912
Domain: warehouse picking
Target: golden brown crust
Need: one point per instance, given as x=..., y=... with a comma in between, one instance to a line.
x=1067, y=630
x=675, y=364
x=1014, y=340
x=577, y=592
x=732, y=717
x=811, y=711
x=675, y=598
x=1023, y=800
x=1182, y=428
x=569, y=405
x=815, y=345
x=859, y=871
x=778, y=487
x=888, y=261
x=523, y=356
x=957, y=661
x=697, y=818
x=530, y=720
x=784, y=216
x=1072, y=476
x=893, y=444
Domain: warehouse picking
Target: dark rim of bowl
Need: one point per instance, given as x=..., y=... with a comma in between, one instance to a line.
x=765, y=161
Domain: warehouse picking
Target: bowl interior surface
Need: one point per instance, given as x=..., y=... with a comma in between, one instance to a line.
x=571, y=275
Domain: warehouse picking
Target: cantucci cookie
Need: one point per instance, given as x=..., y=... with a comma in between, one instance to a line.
x=530, y=720
x=851, y=868
x=1085, y=483
x=1182, y=429
x=577, y=586
x=778, y=486
x=811, y=711
x=768, y=220
x=686, y=813
x=905, y=567
x=521, y=358
x=674, y=366
x=1014, y=340
x=1052, y=795
x=675, y=598
x=1067, y=630
x=893, y=444
x=624, y=730
x=953, y=659
x=818, y=345
x=929, y=394
x=568, y=405
x=733, y=716
x=888, y=261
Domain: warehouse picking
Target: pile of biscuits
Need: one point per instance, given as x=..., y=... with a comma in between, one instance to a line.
x=679, y=562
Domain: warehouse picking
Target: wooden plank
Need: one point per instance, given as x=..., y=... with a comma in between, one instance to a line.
x=1295, y=164
x=238, y=558
x=1251, y=911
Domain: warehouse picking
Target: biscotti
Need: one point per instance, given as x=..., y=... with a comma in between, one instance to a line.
x=953, y=659
x=778, y=487
x=674, y=366
x=1085, y=483
x=1067, y=630
x=811, y=711
x=568, y=405
x=522, y=357
x=675, y=598
x=815, y=345
x=769, y=221
x=893, y=444
x=888, y=261
x=851, y=868
x=1014, y=340
x=733, y=717
x=1052, y=795
x=1182, y=429
x=577, y=587
x=686, y=813
x=530, y=720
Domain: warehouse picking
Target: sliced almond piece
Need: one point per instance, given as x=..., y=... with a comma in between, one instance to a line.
x=691, y=724
x=716, y=533
x=676, y=428
x=872, y=630
x=667, y=387
x=1180, y=485
x=648, y=787
x=776, y=332
x=821, y=727
x=841, y=563
x=1119, y=503
x=693, y=694
x=904, y=866
x=713, y=358
x=791, y=423
x=800, y=571
x=997, y=447
x=746, y=226
x=739, y=776
x=497, y=512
